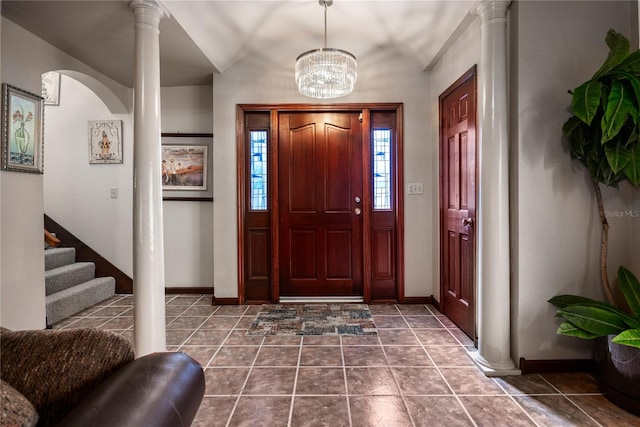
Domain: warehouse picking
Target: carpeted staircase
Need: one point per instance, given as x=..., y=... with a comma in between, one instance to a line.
x=72, y=286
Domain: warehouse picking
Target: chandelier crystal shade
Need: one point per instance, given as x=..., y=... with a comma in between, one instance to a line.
x=326, y=73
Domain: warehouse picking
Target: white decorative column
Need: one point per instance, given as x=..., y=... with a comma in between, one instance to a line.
x=148, y=241
x=494, y=293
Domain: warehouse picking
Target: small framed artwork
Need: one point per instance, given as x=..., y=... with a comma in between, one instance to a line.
x=186, y=167
x=51, y=88
x=22, y=129
x=105, y=141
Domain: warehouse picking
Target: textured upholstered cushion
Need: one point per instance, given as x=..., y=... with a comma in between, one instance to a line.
x=55, y=369
x=16, y=409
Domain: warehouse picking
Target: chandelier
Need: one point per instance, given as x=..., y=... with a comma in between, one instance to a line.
x=326, y=73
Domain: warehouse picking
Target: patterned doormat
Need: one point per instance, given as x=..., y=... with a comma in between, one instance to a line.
x=313, y=319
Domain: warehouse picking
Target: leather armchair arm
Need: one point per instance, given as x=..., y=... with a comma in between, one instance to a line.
x=159, y=389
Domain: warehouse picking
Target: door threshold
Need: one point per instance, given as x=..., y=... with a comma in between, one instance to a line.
x=320, y=300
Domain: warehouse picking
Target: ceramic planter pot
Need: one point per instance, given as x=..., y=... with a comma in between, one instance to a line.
x=618, y=373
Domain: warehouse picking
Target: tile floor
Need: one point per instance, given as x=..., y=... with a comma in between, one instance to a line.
x=416, y=372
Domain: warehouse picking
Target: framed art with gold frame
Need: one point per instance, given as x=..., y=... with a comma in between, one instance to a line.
x=22, y=130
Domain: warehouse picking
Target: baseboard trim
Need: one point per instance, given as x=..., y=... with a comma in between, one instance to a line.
x=418, y=300
x=189, y=291
x=225, y=301
x=556, y=365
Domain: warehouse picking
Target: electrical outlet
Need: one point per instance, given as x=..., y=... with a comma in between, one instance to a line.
x=114, y=192
x=415, y=188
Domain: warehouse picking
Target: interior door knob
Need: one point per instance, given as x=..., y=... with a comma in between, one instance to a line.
x=467, y=222
x=357, y=211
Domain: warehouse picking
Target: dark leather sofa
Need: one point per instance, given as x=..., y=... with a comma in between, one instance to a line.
x=89, y=377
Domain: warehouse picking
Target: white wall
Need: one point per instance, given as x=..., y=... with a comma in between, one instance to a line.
x=76, y=193
x=384, y=78
x=24, y=58
x=22, y=262
x=105, y=224
x=461, y=56
x=555, y=228
x=188, y=226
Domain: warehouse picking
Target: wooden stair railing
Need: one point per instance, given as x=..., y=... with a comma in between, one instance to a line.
x=50, y=239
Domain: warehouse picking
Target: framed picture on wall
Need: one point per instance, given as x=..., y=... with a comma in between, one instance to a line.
x=186, y=167
x=51, y=88
x=105, y=141
x=22, y=128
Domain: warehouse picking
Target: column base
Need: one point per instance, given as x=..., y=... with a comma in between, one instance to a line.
x=494, y=370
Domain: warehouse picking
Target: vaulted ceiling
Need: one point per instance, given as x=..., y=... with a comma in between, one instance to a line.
x=204, y=37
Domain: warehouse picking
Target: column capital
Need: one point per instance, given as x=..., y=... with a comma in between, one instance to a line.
x=492, y=9
x=155, y=7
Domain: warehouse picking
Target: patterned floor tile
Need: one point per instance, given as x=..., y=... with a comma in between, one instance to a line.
x=416, y=372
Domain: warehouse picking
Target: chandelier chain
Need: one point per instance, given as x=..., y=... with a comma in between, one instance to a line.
x=325, y=24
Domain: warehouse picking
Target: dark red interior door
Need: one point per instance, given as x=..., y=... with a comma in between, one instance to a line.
x=458, y=202
x=320, y=204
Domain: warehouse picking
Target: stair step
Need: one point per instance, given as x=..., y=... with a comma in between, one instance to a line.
x=67, y=276
x=72, y=300
x=57, y=257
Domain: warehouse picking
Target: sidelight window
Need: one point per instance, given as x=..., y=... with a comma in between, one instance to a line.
x=381, y=169
x=258, y=160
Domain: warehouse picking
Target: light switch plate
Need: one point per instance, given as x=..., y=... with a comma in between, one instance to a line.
x=415, y=188
x=114, y=192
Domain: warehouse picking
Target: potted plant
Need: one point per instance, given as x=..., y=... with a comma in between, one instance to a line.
x=604, y=132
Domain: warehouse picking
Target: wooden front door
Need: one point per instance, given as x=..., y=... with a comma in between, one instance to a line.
x=458, y=202
x=320, y=161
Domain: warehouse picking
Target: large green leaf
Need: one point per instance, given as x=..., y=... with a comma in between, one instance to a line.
x=569, y=329
x=600, y=170
x=562, y=301
x=632, y=139
x=586, y=100
x=618, y=108
x=632, y=170
x=631, y=63
x=618, y=51
x=593, y=319
x=633, y=84
x=585, y=141
x=617, y=156
x=630, y=287
x=630, y=337
x=576, y=135
x=593, y=166
x=571, y=125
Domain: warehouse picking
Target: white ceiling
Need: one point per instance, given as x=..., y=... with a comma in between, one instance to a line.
x=203, y=37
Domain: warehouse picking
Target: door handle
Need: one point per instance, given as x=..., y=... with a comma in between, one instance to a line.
x=357, y=211
x=467, y=222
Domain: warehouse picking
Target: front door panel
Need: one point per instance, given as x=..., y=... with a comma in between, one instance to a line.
x=320, y=176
